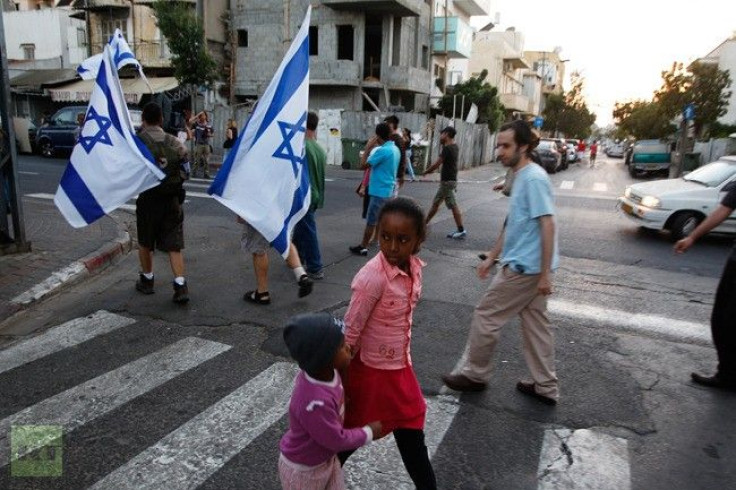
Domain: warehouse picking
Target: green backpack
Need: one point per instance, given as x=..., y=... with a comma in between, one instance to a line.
x=166, y=156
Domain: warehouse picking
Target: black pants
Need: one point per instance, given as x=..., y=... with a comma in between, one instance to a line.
x=414, y=455
x=722, y=322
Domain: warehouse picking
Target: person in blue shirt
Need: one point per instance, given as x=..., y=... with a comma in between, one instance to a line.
x=527, y=252
x=384, y=163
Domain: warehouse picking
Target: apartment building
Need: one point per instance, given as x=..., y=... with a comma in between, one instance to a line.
x=364, y=54
x=724, y=55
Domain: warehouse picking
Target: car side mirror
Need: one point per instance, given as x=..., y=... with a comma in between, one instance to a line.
x=729, y=187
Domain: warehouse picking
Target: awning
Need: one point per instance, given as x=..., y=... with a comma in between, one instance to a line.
x=133, y=88
x=39, y=78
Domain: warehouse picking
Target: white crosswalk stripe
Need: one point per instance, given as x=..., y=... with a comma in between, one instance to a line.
x=191, y=454
x=84, y=403
x=379, y=465
x=600, y=187
x=69, y=334
x=567, y=184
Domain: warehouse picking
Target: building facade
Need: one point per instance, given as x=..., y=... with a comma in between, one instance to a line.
x=725, y=57
x=364, y=54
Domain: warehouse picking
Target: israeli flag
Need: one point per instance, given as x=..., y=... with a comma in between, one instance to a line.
x=109, y=164
x=122, y=56
x=265, y=179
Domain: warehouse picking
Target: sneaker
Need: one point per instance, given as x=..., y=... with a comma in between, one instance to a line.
x=305, y=286
x=458, y=235
x=359, y=250
x=316, y=276
x=144, y=285
x=181, y=293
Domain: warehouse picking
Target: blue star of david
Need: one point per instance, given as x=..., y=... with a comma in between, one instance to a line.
x=101, y=136
x=285, y=151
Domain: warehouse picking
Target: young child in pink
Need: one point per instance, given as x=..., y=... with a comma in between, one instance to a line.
x=381, y=384
x=316, y=434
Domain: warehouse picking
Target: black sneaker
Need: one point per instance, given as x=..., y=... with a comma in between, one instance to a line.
x=305, y=286
x=181, y=293
x=144, y=285
x=359, y=250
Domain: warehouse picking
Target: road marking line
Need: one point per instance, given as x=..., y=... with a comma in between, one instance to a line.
x=96, y=397
x=40, y=195
x=637, y=322
x=600, y=187
x=199, y=186
x=69, y=334
x=567, y=184
x=198, y=194
x=27, y=173
x=379, y=464
x=192, y=453
x=583, y=459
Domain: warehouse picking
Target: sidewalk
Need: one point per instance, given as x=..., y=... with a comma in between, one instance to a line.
x=61, y=255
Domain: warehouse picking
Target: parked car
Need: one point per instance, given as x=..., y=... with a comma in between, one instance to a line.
x=649, y=156
x=61, y=131
x=561, y=146
x=573, y=150
x=616, y=150
x=679, y=205
x=548, y=154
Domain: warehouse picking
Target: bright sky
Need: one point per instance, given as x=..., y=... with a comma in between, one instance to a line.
x=620, y=46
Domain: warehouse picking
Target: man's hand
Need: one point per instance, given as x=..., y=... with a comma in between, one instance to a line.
x=544, y=286
x=683, y=245
x=499, y=187
x=484, y=268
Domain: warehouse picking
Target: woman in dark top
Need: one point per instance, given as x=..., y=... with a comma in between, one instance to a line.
x=231, y=134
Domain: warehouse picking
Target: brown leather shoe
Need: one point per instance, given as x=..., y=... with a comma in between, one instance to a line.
x=528, y=389
x=458, y=382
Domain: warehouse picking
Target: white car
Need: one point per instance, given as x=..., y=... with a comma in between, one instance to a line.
x=679, y=205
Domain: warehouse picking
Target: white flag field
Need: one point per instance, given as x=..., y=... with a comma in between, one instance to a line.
x=265, y=179
x=109, y=164
x=122, y=56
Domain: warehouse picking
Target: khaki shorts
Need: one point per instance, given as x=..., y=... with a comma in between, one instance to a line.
x=253, y=242
x=446, y=193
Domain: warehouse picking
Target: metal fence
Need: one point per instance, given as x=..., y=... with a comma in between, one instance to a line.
x=475, y=142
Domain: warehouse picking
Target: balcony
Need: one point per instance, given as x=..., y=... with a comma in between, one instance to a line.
x=334, y=72
x=474, y=7
x=101, y=4
x=515, y=102
x=407, y=78
x=452, y=36
x=400, y=8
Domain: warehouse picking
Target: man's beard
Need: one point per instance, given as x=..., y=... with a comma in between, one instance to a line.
x=514, y=159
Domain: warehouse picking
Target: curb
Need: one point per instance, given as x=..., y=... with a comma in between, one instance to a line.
x=75, y=272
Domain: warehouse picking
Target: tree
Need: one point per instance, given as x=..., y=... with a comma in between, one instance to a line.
x=184, y=35
x=642, y=119
x=479, y=92
x=569, y=113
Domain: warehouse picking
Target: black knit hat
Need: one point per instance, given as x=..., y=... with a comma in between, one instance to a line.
x=313, y=339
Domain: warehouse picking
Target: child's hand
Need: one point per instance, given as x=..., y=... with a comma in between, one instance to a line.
x=377, y=429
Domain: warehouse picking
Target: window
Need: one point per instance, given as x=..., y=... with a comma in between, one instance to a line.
x=345, y=42
x=242, y=38
x=81, y=36
x=425, y=56
x=313, y=40
x=108, y=26
x=29, y=51
x=396, y=55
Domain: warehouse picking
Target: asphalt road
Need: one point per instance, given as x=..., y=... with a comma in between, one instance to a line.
x=631, y=324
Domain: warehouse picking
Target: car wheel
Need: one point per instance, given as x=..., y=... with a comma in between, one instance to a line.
x=46, y=149
x=684, y=223
x=632, y=171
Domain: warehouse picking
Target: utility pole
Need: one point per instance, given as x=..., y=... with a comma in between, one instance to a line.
x=11, y=241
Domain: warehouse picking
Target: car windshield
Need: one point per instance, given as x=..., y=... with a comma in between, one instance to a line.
x=713, y=174
x=546, y=145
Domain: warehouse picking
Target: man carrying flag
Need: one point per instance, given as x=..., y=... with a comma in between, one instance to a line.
x=159, y=213
x=264, y=178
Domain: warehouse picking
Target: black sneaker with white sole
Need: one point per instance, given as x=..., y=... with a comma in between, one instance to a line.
x=359, y=250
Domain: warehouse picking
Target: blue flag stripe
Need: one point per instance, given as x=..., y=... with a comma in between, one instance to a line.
x=111, y=109
x=281, y=242
x=291, y=78
x=80, y=195
x=218, y=185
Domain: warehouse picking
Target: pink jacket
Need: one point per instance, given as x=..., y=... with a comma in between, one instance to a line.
x=379, y=317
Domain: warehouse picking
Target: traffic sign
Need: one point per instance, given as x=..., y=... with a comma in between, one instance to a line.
x=538, y=121
x=688, y=112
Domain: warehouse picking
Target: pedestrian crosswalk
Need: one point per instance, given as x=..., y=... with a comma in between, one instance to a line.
x=189, y=454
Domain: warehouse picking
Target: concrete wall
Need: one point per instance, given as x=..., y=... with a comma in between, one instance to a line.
x=475, y=142
x=712, y=150
x=52, y=32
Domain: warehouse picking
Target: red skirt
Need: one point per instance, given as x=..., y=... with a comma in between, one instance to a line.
x=392, y=396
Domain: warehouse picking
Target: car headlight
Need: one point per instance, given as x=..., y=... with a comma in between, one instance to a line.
x=650, y=202
x=627, y=192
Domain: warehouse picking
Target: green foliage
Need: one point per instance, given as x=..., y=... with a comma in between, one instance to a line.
x=184, y=35
x=569, y=113
x=718, y=130
x=479, y=92
x=701, y=84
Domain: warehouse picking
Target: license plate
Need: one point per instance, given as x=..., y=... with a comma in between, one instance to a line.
x=652, y=167
x=627, y=208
